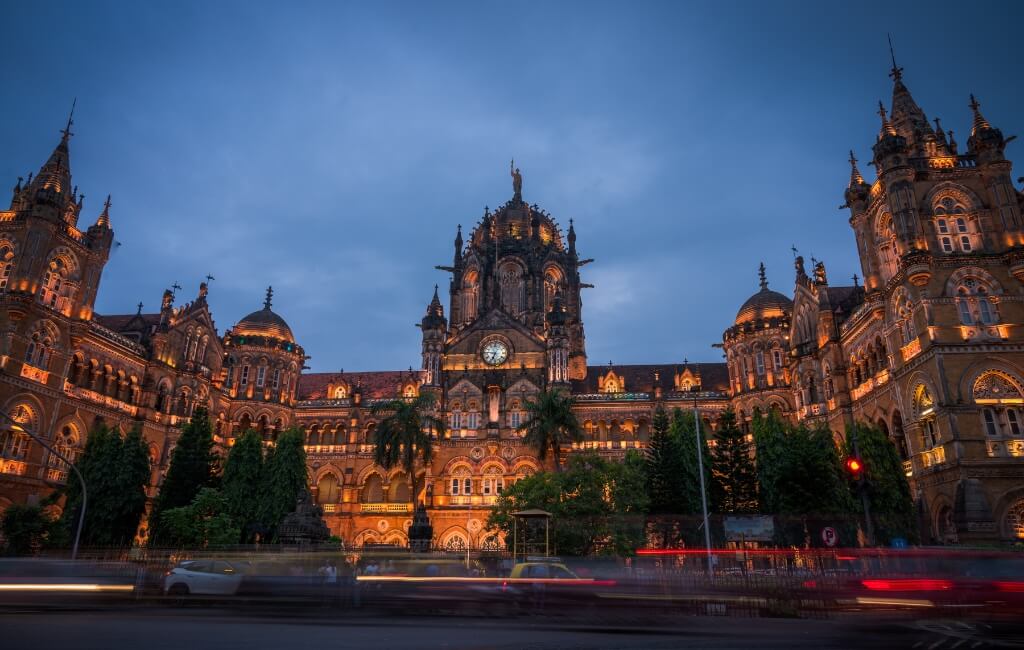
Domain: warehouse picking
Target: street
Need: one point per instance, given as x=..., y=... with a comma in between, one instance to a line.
x=159, y=629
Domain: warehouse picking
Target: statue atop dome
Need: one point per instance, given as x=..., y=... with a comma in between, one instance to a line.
x=517, y=182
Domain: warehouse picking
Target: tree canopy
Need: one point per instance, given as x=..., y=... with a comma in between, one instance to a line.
x=240, y=482
x=550, y=424
x=192, y=468
x=406, y=435
x=597, y=505
x=284, y=475
x=890, y=503
x=732, y=468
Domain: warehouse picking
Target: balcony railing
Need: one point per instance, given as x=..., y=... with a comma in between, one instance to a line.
x=15, y=467
x=385, y=508
x=908, y=468
x=933, y=457
x=35, y=374
x=329, y=507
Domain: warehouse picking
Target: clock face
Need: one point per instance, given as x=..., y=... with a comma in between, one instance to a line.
x=495, y=353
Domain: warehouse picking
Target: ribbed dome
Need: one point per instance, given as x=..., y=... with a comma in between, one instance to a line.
x=764, y=304
x=265, y=323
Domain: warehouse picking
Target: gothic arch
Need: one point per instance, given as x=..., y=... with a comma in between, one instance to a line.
x=958, y=277
x=457, y=462
x=960, y=193
x=34, y=406
x=974, y=371
x=450, y=534
x=1009, y=513
x=329, y=468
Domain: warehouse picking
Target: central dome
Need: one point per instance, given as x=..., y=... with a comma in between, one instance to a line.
x=265, y=323
x=764, y=304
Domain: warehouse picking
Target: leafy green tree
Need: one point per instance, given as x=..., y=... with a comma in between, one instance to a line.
x=732, y=467
x=240, y=482
x=801, y=480
x=597, y=506
x=890, y=503
x=284, y=475
x=116, y=472
x=406, y=434
x=550, y=424
x=203, y=523
x=26, y=529
x=191, y=469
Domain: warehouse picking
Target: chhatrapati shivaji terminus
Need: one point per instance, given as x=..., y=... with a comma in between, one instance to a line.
x=926, y=342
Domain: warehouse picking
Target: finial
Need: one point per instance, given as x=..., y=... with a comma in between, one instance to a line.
x=139, y=312
x=66, y=131
x=952, y=143
x=762, y=277
x=794, y=249
x=887, y=128
x=855, y=176
x=270, y=296
x=174, y=288
x=980, y=123
x=107, y=204
x=209, y=277
x=856, y=280
x=897, y=72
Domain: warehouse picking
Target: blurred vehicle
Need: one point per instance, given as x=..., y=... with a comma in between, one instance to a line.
x=60, y=582
x=204, y=577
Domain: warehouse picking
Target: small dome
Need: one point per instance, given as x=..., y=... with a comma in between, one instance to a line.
x=265, y=323
x=764, y=304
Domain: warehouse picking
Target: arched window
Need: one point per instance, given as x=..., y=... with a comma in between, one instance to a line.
x=955, y=231
x=398, y=488
x=470, y=295
x=515, y=415
x=6, y=264
x=1002, y=397
x=513, y=296
x=552, y=285
x=1015, y=519
x=974, y=303
x=14, y=443
x=66, y=444
x=327, y=489
x=924, y=407
x=461, y=482
x=341, y=392
x=885, y=242
x=373, y=489
x=493, y=482
x=905, y=320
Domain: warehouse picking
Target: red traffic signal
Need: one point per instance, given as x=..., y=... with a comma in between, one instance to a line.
x=854, y=466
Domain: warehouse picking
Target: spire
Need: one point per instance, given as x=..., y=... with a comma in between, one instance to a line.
x=104, y=219
x=434, y=318
x=897, y=72
x=887, y=129
x=55, y=174
x=458, y=246
x=980, y=123
x=763, y=278
x=855, y=177
x=952, y=143
x=436, y=301
x=572, y=238
x=270, y=296
x=940, y=135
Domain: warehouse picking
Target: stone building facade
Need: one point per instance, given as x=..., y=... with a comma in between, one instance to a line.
x=929, y=347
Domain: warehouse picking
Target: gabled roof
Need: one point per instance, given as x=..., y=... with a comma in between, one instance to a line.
x=127, y=322
x=845, y=300
x=639, y=378
x=373, y=384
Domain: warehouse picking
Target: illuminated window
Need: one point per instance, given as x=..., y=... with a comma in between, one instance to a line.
x=467, y=485
x=6, y=265
x=777, y=358
x=261, y=375
x=277, y=378
x=456, y=483
x=759, y=359
x=455, y=419
x=472, y=420
x=961, y=225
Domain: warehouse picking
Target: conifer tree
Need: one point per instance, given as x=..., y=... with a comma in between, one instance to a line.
x=241, y=480
x=664, y=469
x=191, y=469
x=284, y=475
x=684, y=434
x=732, y=463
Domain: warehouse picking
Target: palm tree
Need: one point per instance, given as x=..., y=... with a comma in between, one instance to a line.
x=406, y=434
x=550, y=423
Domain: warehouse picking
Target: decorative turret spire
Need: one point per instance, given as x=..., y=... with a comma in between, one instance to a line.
x=104, y=219
x=572, y=238
x=940, y=135
x=762, y=277
x=458, y=246
x=897, y=72
x=887, y=129
x=952, y=143
x=855, y=176
x=270, y=296
x=980, y=123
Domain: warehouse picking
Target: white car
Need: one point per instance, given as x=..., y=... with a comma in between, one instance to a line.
x=204, y=577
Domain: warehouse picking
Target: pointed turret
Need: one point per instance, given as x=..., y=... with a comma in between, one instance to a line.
x=762, y=278
x=887, y=128
x=433, y=328
x=104, y=219
x=857, y=191
x=458, y=246
x=907, y=117
x=54, y=178
x=572, y=238
x=434, y=317
x=986, y=141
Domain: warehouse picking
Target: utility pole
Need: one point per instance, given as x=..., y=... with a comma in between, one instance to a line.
x=703, y=491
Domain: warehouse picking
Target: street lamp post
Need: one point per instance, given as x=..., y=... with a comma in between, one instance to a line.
x=17, y=426
x=703, y=491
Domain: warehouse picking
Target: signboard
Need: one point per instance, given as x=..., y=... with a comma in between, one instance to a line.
x=758, y=528
x=828, y=535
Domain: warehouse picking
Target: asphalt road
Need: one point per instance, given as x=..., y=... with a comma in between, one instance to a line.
x=158, y=629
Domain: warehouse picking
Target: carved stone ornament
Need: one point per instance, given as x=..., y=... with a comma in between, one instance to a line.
x=992, y=386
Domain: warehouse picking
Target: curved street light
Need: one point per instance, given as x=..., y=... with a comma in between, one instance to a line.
x=17, y=426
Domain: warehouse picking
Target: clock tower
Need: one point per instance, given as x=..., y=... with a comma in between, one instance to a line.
x=515, y=324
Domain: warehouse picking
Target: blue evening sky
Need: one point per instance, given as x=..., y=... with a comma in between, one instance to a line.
x=330, y=149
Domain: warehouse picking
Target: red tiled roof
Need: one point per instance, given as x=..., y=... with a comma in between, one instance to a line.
x=639, y=378
x=374, y=384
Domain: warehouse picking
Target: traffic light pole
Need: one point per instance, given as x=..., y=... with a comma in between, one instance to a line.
x=869, y=528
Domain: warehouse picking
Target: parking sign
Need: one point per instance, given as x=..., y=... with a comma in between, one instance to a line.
x=828, y=535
